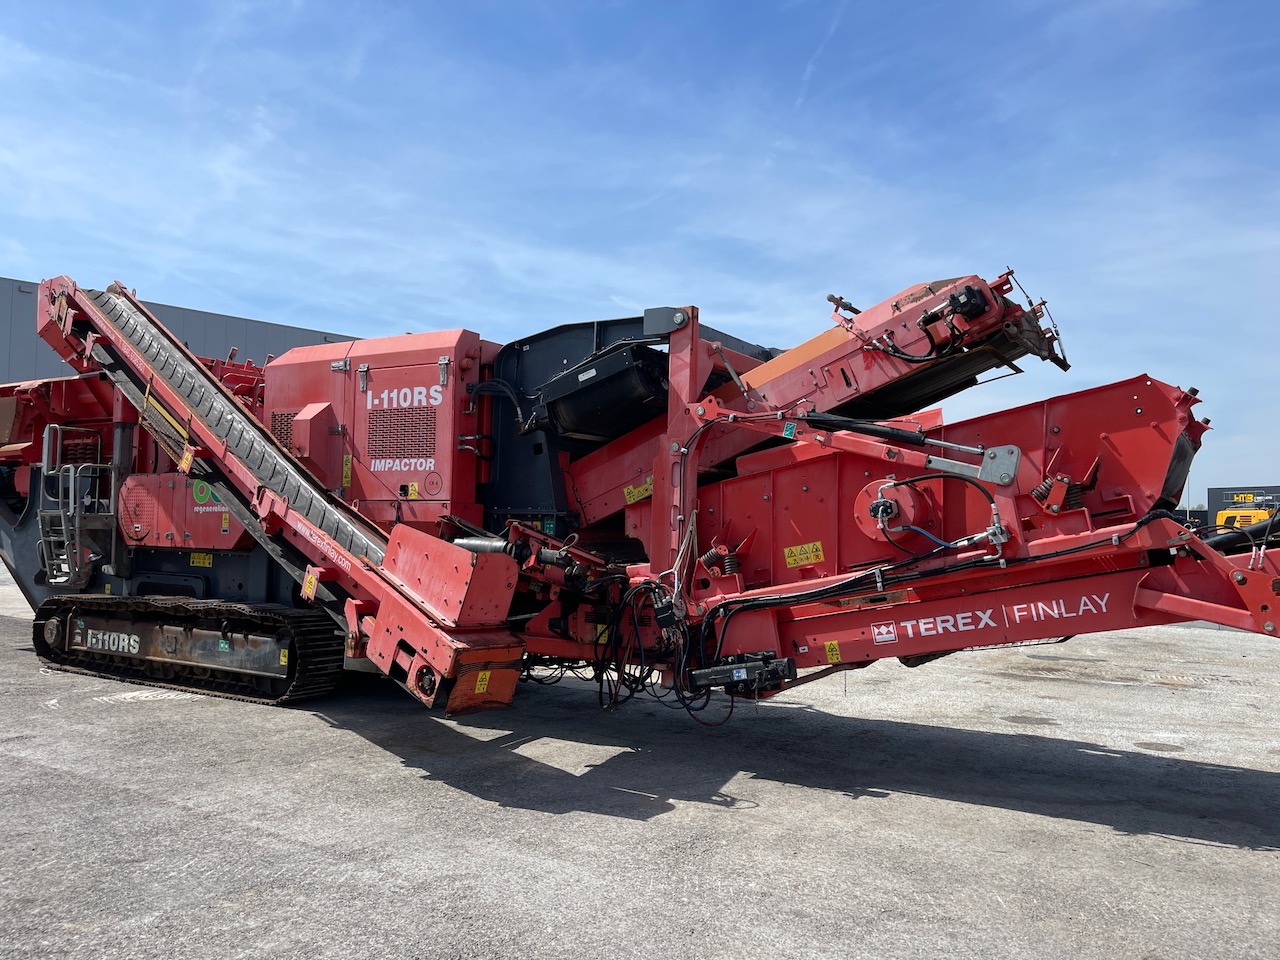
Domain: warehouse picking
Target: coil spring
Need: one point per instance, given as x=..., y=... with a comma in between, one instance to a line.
x=716, y=558
x=1073, y=499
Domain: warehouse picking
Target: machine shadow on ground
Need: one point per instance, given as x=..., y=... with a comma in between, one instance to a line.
x=637, y=762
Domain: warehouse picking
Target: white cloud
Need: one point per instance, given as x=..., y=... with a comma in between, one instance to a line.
x=832, y=25
x=303, y=170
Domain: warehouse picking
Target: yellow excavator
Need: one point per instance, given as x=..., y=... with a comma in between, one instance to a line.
x=1246, y=512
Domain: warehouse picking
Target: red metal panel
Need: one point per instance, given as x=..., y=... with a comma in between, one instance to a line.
x=807, y=521
x=403, y=404
x=459, y=670
x=170, y=510
x=460, y=587
x=746, y=509
x=316, y=441
x=1035, y=612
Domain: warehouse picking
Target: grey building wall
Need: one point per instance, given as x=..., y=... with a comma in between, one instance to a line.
x=24, y=356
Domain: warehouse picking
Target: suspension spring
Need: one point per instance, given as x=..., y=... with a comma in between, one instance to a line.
x=719, y=558
x=1041, y=492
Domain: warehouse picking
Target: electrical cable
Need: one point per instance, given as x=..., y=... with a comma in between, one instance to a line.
x=926, y=533
x=950, y=348
x=496, y=387
x=911, y=481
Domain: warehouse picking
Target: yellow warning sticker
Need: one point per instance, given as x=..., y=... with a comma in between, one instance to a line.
x=804, y=554
x=202, y=559
x=346, y=470
x=833, y=651
x=188, y=456
x=636, y=494
x=309, y=586
x=413, y=491
x=284, y=658
x=482, y=681
x=226, y=523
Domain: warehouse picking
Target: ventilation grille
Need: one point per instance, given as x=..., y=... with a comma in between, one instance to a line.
x=138, y=514
x=282, y=428
x=402, y=433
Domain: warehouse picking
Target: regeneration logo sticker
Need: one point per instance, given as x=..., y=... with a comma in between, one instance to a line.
x=206, y=500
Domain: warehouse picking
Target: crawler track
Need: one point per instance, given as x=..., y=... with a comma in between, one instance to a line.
x=315, y=646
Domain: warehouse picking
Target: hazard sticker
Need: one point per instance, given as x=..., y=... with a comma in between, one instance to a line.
x=284, y=658
x=202, y=559
x=413, y=491
x=309, y=586
x=226, y=523
x=482, y=681
x=636, y=494
x=804, y=554
x=833, y=651
x=346, y=470
x=188, y=457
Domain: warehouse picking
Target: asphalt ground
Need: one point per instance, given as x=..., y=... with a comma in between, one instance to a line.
x=1114, y=796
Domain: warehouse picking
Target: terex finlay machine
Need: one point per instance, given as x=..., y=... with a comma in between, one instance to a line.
x=644, y=501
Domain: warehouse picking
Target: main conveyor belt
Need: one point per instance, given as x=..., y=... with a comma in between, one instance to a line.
x=246, y=438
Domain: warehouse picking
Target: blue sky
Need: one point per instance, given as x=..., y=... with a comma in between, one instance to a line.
x=374, y=168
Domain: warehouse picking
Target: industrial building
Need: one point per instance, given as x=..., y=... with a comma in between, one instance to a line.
x=23, y=356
